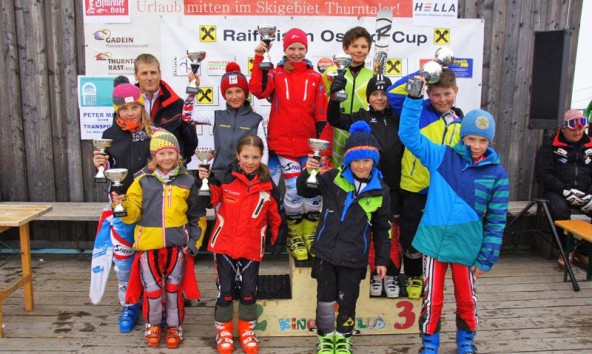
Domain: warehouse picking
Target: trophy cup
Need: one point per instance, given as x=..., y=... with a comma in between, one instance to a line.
x=116, y=175
x=101, y=145
x=195, y=57
x=430, y=71
x=267, y=33
x=342, y=61
x=317, y=146
x=444, y=57
x=205, y=155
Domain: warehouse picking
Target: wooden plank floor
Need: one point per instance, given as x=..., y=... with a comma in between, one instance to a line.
x=524, y=307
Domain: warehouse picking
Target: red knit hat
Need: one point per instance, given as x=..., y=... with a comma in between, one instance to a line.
x=295, y=35
x=234, y=78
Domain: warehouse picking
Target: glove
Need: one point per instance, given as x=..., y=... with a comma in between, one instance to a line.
x=338, y=84
x=574, y=197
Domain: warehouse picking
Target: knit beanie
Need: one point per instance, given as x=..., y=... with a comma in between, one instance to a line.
x=571, y=114
x=361, y=144
x=295, y=35
x=378, y=82
x=234, y=78
x=162, y=139
x=126, y=93
x=478, y=122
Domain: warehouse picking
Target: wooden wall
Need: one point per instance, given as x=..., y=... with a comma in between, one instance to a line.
x=43, y=159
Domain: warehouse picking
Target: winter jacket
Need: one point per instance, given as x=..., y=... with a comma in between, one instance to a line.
x=384, y=126
x=566, y=165
x=415, y=177
x=465, y=214
x=128, y=150
x=298, y=105
x=166, y=213
x=166, y=113
x=348, y=220
x=245, y=210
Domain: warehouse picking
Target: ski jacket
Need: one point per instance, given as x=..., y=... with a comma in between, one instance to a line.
x=245, y=210
x=465, y=213
x=298, y=104
x=348, y=220
x=415, y=177
x=166, y=212
x=567, y=165
x=384, y=126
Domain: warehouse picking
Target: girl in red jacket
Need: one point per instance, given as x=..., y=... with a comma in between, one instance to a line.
x=244, y=198
x=298, y=112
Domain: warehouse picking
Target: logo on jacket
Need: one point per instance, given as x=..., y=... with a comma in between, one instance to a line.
x=373, y=120
x=560, y=152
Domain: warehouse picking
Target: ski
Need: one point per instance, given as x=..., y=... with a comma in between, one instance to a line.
x=382, y=38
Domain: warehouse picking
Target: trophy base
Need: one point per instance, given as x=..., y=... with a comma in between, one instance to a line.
x=119, y=214
x=204, y=193
x=265, y=65
x=192, y=90
x=312, y=184
x=339, y=96
x=100, y=180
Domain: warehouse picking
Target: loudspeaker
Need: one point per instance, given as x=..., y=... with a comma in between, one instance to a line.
x=549, y=79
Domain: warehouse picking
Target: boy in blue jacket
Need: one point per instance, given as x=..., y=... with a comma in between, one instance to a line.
x=464, y=219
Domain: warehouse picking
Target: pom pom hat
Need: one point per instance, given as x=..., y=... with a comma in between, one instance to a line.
x=478, y=122
x=295, y=35
x=361, y=144
x=572, y=114
x=125, y=94
x=162, y=139
x=234, y=78
x=378, y=82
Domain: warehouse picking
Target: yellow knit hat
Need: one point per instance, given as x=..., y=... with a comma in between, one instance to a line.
x=162, y=139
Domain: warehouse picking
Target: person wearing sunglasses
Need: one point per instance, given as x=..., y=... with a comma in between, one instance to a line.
x=566, y=169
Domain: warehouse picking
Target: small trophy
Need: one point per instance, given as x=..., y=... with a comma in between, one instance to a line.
x=267, y=33
x=342, y=61
x=444, y=57
x=101, y=145
x=116, y=175
x=317, y=146
x=195, y=57
x=430, y=71
x=205, y=155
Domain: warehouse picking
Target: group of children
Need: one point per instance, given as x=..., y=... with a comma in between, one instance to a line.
x=396, y=148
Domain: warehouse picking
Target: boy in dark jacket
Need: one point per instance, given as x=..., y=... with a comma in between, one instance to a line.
x=356, y=205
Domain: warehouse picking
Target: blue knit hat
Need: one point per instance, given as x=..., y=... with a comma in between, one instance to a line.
x=478, y=122
x=361, y=144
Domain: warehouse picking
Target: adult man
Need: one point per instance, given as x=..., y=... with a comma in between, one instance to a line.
x=163, y=105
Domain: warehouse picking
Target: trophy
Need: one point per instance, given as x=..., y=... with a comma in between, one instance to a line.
x=317, y=146
x=342, y=61
x=101, y=145
x=205, y=155
x=116, y=175
x=267, y=33
x=444, y=57
x=430, y=71
x=195, y=57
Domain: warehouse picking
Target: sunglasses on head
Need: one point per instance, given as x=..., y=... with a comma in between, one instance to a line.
x=576, y=123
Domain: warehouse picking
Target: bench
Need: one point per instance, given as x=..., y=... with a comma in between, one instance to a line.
x=577, y=231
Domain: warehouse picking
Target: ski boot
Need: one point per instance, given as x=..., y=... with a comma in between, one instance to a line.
x=391, y=287
x=153, y=334
x=129, y=316
x=402, y=282
x=429, y=343
x=342, y=343
x=326, y=343
x=464, y=342
x=224, y=341
x=247, y=337
x=174, y=336
x=294, y=242
x=414, y=287
x=375, y=286
x=309, y=228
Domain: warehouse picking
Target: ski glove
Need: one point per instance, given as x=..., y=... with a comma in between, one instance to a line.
x=338, y=84
x=574, y=197
x=587, y=207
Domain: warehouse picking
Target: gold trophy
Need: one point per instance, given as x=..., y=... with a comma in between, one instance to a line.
x=267, y=33
x=116, y=175
x=342, y=61
x=317, y=146
x=101, y=145
x=195, y=57
x=205, y=155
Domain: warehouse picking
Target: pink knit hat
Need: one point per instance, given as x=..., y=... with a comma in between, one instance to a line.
x=295, y=35
x=125, y=94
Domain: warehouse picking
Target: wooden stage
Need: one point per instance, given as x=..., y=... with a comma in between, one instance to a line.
x=524, y=307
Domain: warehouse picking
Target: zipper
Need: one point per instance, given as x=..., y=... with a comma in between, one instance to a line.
x=365, y=239
x=351, y=104
x=324, y=223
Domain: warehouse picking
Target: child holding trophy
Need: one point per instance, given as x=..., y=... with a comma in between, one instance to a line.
x=298, y=103
x=245, y=195
x=129, y=148
x=356, y=207
x=163, y=203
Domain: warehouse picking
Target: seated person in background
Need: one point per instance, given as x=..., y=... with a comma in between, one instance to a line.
x=566, y=169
